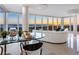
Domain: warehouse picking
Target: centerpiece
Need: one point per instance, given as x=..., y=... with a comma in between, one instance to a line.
x=27, y=35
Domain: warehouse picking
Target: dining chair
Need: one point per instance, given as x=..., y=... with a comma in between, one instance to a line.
x=31, y=47
x=1, y=48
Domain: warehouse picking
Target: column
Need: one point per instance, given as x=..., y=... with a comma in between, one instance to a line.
x=69, y=35
x=62, y=23
x=78, y=34
x=25, y=18
x=5, y=23
x=75, y=33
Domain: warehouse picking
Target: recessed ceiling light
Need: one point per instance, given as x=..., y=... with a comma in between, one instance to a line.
x=41, y=6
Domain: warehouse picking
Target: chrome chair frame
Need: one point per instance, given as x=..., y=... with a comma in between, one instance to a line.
x=31, y=47
x=1, y=50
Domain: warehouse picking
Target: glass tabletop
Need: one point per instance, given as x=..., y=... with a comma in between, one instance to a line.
x=9, y=40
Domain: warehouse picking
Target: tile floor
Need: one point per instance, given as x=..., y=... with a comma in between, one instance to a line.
x=48, y=49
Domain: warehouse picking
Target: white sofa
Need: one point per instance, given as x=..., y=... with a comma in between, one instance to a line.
x=54, y=36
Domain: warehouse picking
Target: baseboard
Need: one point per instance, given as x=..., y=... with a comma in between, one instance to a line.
x=51, y=42
x=54, y=43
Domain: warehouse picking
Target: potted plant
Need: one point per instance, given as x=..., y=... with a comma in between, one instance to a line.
x=20, y=33
x=3, y=34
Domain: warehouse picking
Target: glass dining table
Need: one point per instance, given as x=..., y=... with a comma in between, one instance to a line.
x=6, y=41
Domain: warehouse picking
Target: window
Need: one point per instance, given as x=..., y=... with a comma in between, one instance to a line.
x=31, y=22
x=59, y=21
x=20, y=21
x=50, y=23
x=66, y=22
x=12, y=20
x=55, y=23
x=38, y=22
x=78, y=23
x=45, y=25
x=72, y=22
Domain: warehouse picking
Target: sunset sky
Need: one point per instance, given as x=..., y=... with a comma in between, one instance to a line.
x=12, y=19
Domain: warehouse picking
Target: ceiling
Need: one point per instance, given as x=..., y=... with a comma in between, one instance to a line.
x=44, y=9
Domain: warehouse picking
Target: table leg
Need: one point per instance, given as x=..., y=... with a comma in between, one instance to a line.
x=5, y=49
